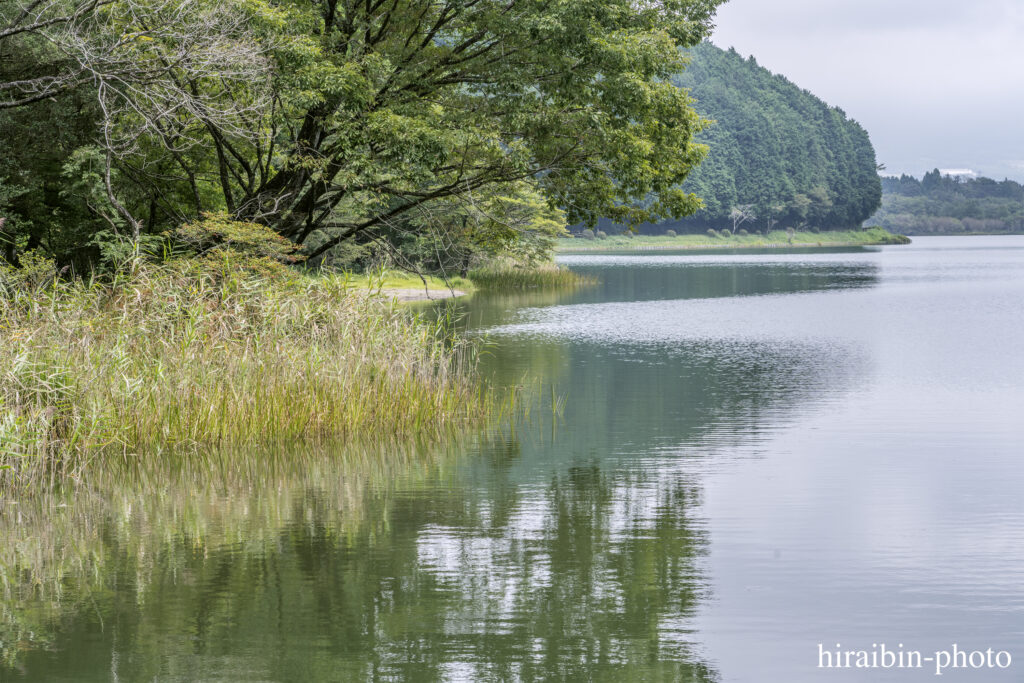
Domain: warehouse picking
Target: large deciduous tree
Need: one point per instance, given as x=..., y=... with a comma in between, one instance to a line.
x=331, y=119
x=383, y=106
x=99, y=98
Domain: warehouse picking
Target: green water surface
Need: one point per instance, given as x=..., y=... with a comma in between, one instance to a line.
x=751, y=454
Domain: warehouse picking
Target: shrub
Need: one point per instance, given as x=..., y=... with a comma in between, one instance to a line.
x=629, y=234
x=601, y=234
x=217, y=234
x=588, y=234
x=670, y=233
x=712, y=232
x=743, y=232
x=726, y=232
x=34, y=272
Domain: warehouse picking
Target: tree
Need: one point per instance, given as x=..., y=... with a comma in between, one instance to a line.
x=149, y=79
x=740, y=215
x=382, y=107
x=33, y=66
x=772, y=143
x=449, y=236
x=330, y=121
x=774, y=209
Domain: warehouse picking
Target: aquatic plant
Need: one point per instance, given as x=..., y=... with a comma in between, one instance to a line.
x=222, y=350
x=507, y=276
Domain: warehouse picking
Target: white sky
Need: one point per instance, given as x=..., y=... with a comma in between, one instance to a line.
x=936, y=83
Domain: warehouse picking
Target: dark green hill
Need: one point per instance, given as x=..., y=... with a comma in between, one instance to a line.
x=777, y=151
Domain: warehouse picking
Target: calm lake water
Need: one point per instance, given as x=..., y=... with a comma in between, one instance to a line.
x=754, y=453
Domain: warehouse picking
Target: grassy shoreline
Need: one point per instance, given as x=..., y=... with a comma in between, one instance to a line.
x=405, y=287
x=774, y=240
x=390, y=282
x=509, y=277
x=181, y=357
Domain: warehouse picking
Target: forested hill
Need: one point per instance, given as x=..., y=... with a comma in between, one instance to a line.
x=945, y=205
x=778, y=153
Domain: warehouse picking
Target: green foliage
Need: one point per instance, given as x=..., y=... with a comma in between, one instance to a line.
x=366, y=117
x=217, y=234
x=754, y=240
x=33, y=272
x=453, y=236
x=775, y=148
x=939, y=204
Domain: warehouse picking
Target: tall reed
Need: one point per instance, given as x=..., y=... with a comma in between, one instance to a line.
x=508, y=276
x=183, y=354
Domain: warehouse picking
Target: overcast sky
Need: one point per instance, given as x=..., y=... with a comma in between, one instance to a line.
x=937, y=83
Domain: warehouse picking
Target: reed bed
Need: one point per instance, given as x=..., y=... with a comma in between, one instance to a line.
x=507, y=276
x=183, y=355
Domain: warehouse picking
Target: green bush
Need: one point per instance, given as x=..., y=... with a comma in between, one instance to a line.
x=588, y=234
x=670, y=233
x=601, y=234
x=742, y=232
x=34, y=272
x=725, y=232
x=712, y=232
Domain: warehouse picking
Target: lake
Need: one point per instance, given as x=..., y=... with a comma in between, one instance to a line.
x=733, y=462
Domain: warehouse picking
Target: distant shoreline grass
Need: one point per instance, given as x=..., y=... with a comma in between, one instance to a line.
x=777, y=239
x=183, y=356
x=506, y=277
x=400, y=280
x=495, y=276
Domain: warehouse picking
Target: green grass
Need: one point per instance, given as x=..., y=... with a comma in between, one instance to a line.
x=393, y=279
x=778, y=238
x=506, y=277
x=185, y=356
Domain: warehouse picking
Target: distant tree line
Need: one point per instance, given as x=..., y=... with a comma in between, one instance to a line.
x=779, y=157
x=940, y=204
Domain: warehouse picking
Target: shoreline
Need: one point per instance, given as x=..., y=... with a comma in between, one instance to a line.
x=692, y=242
x=717, y=247
x=407, y=295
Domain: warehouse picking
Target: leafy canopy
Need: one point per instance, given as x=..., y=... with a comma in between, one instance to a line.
x=329, y=120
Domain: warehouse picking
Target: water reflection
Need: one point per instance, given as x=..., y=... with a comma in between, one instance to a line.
x=323, y=569
x=571, y=552
x=689, y=275
x=753, y=454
